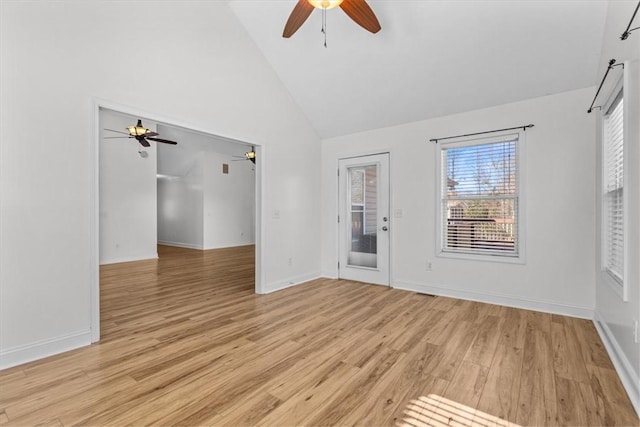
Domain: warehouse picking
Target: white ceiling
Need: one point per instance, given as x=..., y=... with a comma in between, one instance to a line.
x=177, y=160
x=431, y=58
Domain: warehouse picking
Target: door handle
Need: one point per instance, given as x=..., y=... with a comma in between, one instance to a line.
x=385, y=228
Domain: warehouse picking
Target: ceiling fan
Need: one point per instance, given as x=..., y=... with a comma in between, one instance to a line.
x=141, y=134
x=249, y=155
x=358, y=10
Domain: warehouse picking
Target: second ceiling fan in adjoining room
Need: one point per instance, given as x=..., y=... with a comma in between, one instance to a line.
x=140, y=134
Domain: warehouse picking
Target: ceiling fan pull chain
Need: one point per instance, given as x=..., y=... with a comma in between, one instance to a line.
x=324, y=26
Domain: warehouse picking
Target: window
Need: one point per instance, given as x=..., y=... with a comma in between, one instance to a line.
x=479, y=192
x=613, y=210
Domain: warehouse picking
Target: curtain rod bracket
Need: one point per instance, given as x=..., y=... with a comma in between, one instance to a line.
x=629, y=30
x=523, y=127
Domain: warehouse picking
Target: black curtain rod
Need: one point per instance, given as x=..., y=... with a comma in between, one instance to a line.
x=523, y=127
x=628, y=31
x=611, y=65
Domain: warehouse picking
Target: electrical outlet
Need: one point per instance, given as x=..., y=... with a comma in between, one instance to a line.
x=429, y=265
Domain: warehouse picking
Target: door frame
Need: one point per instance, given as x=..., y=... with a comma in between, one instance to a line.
x=94, y=221
x=354, y=155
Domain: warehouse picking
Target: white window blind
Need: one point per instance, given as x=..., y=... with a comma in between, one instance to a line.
x=480, y=197
x=613, y=190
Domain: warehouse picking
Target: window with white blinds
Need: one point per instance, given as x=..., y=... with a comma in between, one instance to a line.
x=480, y=191
x=613, y=230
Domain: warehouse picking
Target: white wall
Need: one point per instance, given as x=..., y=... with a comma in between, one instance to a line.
x=180, y=208
x=206, y=209
x=559, y=198
x=127, y=194
x=229, y=202
x=55, y=59
x=615, y=317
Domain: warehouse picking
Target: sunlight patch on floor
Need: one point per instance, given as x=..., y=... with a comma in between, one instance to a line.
x=438, y=411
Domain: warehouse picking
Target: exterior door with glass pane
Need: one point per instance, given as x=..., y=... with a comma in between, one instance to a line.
x=364, y=221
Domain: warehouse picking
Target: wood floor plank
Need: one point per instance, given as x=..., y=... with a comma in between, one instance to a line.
x=467, y=384
x=571, y=404
x=484, y=345
x=414, y=331
x=592, y=348
x=567, y=361
x=405, y=380
x=501, y=391
x=453, y=350
x=350, y=396
x=186, y=341
x=423, y=386
x=514, y=327
x=537, y=396
x=66, y=401
x=593, y=414
x=610, y=398
x=365, y=407
x=390, y=397
x=249, y=412
x=307, y=373
x=299, y=408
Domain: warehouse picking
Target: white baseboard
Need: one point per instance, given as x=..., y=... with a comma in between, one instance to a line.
x=491, y=298
x=202, y=247
x=628, y=376
x=181, y=245
x=278, y=286
x=128, y=259
x=234, y=245
x=27, y=353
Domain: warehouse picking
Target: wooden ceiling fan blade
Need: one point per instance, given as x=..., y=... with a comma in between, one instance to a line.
x=166, y=141
x=143, y=142
x=117, y=131
x=362, y=14
x=300, y=13
x=115, y=137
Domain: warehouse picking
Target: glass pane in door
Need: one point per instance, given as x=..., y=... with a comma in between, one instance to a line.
x=363, y=215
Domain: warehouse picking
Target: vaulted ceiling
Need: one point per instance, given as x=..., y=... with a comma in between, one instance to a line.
x=431, y=58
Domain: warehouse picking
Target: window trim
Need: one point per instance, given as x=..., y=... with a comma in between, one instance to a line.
x=520, y=258
x=617, y=284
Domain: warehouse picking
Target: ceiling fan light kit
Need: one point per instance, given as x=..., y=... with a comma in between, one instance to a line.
x=325, y=4
x=251, y=155
x=138, y=129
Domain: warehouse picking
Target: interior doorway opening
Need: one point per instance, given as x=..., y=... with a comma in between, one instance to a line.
x=201, y=194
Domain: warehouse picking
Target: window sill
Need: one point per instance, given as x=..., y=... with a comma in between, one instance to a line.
x=504, y=259
x=615, y=284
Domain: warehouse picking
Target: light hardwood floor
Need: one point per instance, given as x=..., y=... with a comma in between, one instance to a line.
x=187, y=342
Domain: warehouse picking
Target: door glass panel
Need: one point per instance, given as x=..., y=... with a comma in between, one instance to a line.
x=363, y=215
